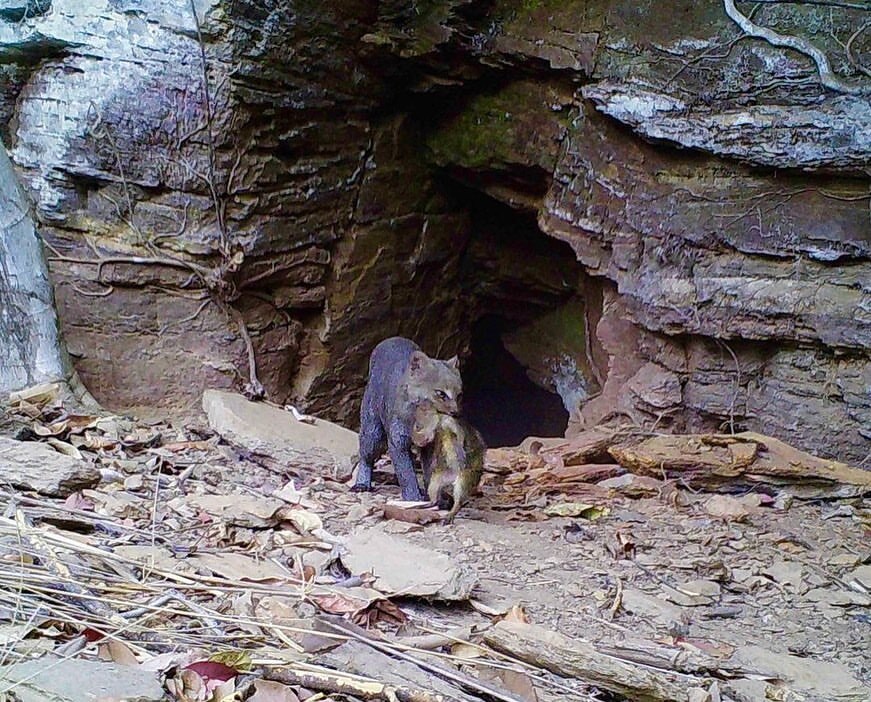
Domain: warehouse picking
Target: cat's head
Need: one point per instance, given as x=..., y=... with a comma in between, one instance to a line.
x=436, y=382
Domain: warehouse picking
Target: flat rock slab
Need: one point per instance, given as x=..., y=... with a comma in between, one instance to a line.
x=76, y=680
x=403, y=568
x=829, y=681
x=321, y=446
x=29, y=465
x=356, y=657
x=652, y=607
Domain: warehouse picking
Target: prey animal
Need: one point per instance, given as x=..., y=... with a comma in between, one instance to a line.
x=452, y=457
x=401, y=377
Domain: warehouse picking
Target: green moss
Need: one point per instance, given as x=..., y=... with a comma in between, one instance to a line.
x=494, y=129
x=509, y=10
x=478, y=136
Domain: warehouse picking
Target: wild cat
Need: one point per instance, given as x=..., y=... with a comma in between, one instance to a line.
x=401, y=377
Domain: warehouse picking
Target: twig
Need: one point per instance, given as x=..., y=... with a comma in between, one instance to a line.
x=96, y=293
x=340, y=683
x=824, y=3
x=254, y=388
x=618, y=600
x=97, y=130
x=707, y=53
x=737, y=384
x=343, y=627
x=827, y=76
x=207, y=100
x=848, y=48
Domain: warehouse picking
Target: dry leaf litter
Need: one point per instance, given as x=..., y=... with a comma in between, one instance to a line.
x=195, y=563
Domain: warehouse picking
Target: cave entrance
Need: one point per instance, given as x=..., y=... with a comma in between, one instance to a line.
x=527, y=363
x=499, y=397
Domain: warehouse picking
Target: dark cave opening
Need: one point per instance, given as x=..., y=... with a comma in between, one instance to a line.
x=500, y=400
x=524, y=291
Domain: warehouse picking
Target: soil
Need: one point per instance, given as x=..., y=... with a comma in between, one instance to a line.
x=565, y=574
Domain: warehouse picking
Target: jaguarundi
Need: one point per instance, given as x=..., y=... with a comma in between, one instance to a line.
x=401, y=377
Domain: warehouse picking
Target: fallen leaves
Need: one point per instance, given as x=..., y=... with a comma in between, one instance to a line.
x=577, y=509
x=197, y=544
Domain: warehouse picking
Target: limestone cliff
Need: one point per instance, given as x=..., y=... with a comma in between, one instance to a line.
x=332, y=173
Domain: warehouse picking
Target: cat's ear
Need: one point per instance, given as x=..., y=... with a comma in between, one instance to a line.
x=453, y=363
x=418, y=362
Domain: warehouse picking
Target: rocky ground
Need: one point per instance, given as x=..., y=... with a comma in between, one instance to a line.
x=192, y=561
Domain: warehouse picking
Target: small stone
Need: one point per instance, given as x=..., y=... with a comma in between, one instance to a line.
x=783, y=501
x=29, y=465
x=845, y=559
x=787, y=573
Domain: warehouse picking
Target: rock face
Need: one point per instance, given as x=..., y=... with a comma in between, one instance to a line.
x=683, y=208
x=30, y=350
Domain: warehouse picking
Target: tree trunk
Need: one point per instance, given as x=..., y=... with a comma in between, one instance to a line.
x=31, y=350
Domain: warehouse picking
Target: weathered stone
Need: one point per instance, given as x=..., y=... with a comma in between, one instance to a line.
x=28, y=465
x=834, y=135
x=321, y=202
x=400, y=567
x=30, y=350
x=80, y=680
x=320, y=446
x=831, y=681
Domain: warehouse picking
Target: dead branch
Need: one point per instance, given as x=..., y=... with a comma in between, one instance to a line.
x=337, y=625
x=210, y=139
x=336, y=682
x=200, y=271
x=827, y=77
x=848, y=48
x=99, y=131
x=254, y=389
x=747, y=458
x=109, y=289
x=822, y=3
x=728, y=348
x=706, y=54
x=576, y=658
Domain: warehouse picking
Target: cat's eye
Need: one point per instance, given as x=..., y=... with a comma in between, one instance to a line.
x=441, y=394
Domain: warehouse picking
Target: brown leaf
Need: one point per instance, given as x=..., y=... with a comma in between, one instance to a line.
x=188, y=686
x=271, y=691
x=36, y=395
x=379, y=611
x=77, y=501
x=117, y=652
x=466, y=651
x=63, y=447
x=515, y=614
x=336, y=603
x=411, y=515
x=519, y=684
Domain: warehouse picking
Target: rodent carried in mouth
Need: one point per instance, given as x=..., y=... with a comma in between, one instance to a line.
x=452, y=457
x=401, y=378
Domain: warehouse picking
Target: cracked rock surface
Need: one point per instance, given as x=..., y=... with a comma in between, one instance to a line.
x=316, y=171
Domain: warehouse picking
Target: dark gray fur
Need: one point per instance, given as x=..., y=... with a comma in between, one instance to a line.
x=401, y=376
